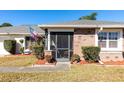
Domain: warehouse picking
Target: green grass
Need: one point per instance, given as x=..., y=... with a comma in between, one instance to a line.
x=78, y=73
x=17, y=61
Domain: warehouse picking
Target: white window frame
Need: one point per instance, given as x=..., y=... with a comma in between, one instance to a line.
x=119, y=41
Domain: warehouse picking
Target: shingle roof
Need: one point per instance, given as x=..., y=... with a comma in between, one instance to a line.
x=20, y=30
x=92, y=23
x=89, y=22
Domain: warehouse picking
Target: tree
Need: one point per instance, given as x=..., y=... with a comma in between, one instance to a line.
x=92, y=16
x=5, y=25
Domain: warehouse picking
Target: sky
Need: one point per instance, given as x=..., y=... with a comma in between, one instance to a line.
x=34, y=17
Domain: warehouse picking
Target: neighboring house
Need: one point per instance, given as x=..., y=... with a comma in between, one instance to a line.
x=17, y=33
x=67, y=38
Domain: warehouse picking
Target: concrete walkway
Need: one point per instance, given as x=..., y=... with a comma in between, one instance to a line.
x=37, y=68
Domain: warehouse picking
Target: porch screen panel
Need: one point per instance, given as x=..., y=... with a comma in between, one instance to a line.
x=53, y=45
x=62, y=40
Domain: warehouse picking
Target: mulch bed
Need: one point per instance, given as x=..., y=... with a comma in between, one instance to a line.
x=105, y=63
x=18, y=55
x=40, y=62
x=114, y=62
x=44, y=62
x=84, y=62
x=22, y=54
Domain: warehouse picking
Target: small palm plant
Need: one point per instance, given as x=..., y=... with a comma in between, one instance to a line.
x=21, y=48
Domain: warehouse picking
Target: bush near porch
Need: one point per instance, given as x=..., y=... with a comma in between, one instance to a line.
x=91, y=53
x=10, y=46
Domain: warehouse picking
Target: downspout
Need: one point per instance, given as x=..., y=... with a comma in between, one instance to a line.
x=101, y=28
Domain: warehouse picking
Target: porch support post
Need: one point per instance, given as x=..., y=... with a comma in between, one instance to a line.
x=48, y=40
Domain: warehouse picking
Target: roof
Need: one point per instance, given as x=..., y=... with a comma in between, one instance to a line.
x=86, y=23
x=20, y=30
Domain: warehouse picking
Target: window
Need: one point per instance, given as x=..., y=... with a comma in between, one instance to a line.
x=108, y=39
x=102, y=37
x=113, y=38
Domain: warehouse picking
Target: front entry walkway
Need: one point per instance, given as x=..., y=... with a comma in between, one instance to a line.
x=38, y=68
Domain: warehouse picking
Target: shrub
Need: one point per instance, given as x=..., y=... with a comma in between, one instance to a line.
x=48, y=58
x=91, y=54
x=22, y=50
x=10, y=46
x=75, y=57
x=38, y=48
x=38, y=52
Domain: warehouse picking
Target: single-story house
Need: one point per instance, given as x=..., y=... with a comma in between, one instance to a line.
x=17, y=33
x=67, y=38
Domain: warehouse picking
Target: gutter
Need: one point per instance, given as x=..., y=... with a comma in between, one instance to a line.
x=101, y=62
x=17, y=33
x=83, y=26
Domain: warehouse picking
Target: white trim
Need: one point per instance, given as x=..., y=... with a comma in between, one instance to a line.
x=120, y=41
x=96, y=38
x=56, y=30
x=17, y=33
x=48, y=41
x=85, y=26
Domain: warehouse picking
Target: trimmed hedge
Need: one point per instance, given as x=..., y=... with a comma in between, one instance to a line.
x=91, y=53
x=10, y=46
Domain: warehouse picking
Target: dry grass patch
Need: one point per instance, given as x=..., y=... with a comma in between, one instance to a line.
x=78, y=73
x=17, y=61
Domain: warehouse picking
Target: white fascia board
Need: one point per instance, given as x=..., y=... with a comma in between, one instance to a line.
x=111, y=26
x=84, y=26
x=73, y=26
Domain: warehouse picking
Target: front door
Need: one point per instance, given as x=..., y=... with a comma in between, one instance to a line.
x=61, y=44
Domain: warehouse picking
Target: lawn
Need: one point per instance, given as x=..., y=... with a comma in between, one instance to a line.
x=77, y=73
x=17, y=61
